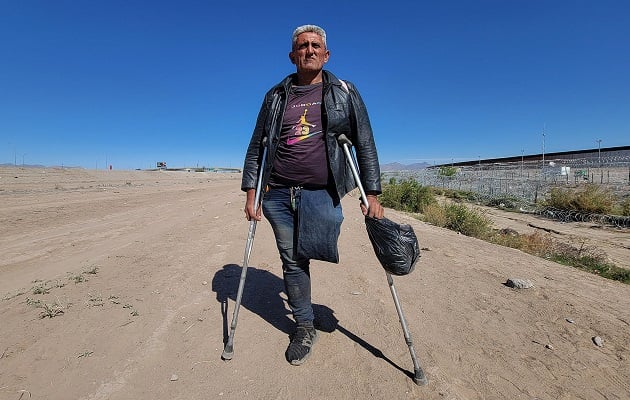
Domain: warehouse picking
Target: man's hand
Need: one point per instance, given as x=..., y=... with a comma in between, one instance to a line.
x=375, y=208
x=249, y=206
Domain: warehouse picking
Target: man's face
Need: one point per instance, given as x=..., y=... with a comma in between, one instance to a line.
x=309, y=53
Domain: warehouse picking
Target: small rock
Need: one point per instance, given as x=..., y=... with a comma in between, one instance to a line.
x=356, y=293
x=569, y=320
x=548, y=346
x=204, y=283
x=519, y=283
x=598, y=341
x=174, y=378
x=508, y=232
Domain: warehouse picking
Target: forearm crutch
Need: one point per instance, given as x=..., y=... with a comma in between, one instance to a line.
x=228, y=350
x=418, y=378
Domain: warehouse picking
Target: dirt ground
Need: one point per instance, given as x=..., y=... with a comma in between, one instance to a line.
x=121, y=284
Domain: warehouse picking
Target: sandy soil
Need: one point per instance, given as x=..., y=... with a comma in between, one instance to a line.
x=121, y=285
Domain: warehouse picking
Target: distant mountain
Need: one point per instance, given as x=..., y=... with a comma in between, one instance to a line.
x=392, y=167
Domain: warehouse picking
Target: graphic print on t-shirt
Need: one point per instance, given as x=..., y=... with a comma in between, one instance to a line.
x=301, y=158
x=302, y=130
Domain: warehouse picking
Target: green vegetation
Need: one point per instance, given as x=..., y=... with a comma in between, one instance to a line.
x=50, y=310
x=447, y=171
x=459, y=218
x=585, y=258
x=79, y=278
x=407, y=196
x=40, y=289
x=590, y=198
x=410, y=196
x=595, y=265
x=459, y=195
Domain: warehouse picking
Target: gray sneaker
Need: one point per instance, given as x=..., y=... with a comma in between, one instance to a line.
x=301, y=343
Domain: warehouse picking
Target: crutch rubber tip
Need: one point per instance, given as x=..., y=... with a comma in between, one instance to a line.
x=419, y=378
x=228, y=352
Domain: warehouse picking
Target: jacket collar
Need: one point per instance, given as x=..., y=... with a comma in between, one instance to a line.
x=328, y=79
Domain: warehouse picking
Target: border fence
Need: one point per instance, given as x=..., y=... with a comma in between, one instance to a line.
x=526, y=183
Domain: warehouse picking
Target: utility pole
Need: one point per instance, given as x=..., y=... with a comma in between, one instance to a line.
x=599, y=152
x=542, y=171
x=522, y=155
x=543, y=147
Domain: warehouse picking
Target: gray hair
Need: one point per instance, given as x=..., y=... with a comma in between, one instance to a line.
x=309, y=28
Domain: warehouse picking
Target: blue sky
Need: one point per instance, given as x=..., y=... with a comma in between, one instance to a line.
x=129, y=83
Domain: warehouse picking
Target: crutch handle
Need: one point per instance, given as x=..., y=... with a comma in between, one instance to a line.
x=346, y=144
x=343, y=139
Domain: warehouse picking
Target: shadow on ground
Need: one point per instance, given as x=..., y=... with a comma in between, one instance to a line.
x=264, y=295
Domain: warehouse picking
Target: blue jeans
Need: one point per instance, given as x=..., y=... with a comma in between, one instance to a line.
x=280, y=207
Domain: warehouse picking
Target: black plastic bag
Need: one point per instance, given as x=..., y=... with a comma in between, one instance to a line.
x=395, y=245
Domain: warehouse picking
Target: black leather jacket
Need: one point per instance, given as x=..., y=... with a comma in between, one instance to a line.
x=343, y=112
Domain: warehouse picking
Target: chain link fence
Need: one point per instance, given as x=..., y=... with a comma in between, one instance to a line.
x=523, y=185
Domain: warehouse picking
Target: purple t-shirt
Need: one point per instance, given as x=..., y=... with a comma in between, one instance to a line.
x=301, y=156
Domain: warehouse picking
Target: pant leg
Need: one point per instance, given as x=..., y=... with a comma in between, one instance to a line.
x=278, y=209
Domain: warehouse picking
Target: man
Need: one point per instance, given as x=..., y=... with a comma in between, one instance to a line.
x=306, y=173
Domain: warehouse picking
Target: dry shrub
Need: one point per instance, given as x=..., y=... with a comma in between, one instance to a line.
x=541, y=245
x=583, y=257
x=589, y=199
x=435, y=214
x=460, y=218
x=536, y=243
x=467, y=221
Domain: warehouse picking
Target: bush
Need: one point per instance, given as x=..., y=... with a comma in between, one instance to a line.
x=467, y=221
x=448, y=171
x=591, y=261
x=459, y=218
x=464, y=195
x=544, y=246
x=507, y=202
x=435, y=214
x=591, y=199
x=407, y=196
x=537, y=244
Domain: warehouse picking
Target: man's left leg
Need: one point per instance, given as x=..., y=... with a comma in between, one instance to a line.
x=297, y=283
x=278, y=209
